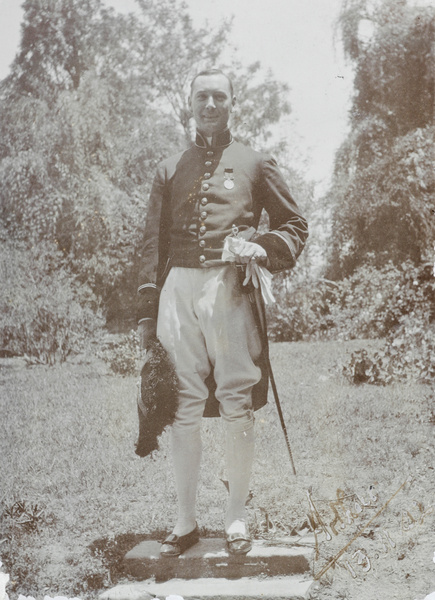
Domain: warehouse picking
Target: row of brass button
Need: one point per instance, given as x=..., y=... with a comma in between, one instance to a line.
x=204, y=201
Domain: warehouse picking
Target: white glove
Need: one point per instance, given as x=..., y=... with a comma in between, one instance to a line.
x=237, y=248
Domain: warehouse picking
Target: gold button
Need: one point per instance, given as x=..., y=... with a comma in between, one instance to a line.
x=202, y=229
x=205, y=186
x=202, y=243
x=204, y=201
x=210, y=153
x=208, y=163
x=204, y=215
x=202, y=258
x=207, y=175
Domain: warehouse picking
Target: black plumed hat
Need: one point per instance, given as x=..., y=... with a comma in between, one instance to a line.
x=157, y=398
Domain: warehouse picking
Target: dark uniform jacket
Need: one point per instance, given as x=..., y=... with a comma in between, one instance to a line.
x=196, y=199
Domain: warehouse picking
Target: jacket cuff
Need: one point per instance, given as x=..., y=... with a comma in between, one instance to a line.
x=280, y=254
x=147, y=303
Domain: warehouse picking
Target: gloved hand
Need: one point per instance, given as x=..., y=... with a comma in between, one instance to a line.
x=239, y=251
x=245, y=252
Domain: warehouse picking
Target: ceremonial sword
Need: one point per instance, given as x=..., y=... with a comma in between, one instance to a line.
x=259, y=313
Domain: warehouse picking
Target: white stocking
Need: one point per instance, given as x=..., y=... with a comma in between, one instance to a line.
x=186, y=456
x=239, y=455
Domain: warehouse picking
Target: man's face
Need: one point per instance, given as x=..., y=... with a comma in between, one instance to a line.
x=211, y=103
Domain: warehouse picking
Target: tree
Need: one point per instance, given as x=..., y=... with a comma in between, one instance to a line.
x=174, y=50
x=383, y=187
x=79, y=140
x=57, y=45
x=263, y=103
x=176, y=58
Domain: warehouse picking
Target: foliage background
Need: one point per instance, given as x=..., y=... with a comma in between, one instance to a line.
x=93, y=102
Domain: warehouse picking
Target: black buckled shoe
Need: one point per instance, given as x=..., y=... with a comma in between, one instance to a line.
x=174, y=545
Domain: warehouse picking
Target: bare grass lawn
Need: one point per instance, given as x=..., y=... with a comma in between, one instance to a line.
x=74, y=496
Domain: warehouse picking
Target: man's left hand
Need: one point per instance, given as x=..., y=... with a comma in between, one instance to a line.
x=250, y=251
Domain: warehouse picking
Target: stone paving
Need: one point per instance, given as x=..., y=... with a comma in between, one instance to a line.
x=277, y=571
x=254, y=588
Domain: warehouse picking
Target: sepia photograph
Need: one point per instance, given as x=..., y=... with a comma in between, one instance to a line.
x=217, y=307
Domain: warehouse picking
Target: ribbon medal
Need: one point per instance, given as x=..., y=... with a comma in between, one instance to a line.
x=229, y=179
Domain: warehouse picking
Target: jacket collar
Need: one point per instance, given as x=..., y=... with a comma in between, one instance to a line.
x=221, y=139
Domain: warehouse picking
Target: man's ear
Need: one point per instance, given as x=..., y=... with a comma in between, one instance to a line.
x=189, y=102
x=233, y=102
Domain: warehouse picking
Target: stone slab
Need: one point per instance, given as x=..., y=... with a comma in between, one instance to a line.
x=209, y=558
x=282, y=588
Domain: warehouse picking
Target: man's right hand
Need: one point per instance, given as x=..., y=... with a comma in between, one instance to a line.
x=147, y=332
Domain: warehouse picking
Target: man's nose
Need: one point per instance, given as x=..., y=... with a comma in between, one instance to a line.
x=210, y=102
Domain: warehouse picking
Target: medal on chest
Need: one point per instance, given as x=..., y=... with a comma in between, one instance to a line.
x=229, y=179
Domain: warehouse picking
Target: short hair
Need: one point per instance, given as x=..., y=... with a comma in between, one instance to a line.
x=212, y=71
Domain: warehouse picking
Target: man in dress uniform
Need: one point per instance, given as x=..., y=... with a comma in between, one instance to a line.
x=195, y=301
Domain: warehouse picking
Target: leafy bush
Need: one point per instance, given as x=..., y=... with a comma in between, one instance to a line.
x=322, y=309
x=408, y=319
x=301, y=311
x=370, y=304
x=394, y=303
x=409, y=356
x=122, y=355
x=46, y=315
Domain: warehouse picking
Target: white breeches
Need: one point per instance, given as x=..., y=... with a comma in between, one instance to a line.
x=205, y=322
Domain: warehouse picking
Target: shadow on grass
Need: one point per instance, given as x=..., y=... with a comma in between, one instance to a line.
x=113, y=550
